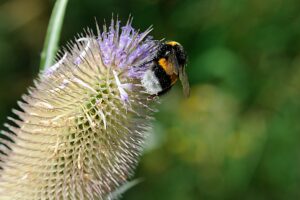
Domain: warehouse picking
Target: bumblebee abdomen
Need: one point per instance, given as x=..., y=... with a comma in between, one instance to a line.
x=163, y=78
x=156, y=80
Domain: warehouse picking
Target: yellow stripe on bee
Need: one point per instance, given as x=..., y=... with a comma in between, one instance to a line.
x=172, y=43
x=164, y=64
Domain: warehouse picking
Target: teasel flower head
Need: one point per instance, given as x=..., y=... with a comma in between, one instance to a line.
x=81, y=128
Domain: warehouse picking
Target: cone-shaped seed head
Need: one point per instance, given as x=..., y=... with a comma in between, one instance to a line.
x=82, y=126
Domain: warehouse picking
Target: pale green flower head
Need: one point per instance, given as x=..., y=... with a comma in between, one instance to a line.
x=81, y=128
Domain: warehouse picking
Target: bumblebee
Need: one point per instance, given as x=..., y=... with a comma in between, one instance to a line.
x=166, y=68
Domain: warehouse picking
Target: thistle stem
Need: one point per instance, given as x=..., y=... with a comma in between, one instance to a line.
x=53, y=34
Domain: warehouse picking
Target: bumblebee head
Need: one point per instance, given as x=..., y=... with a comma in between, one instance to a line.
x=172, y=56
x=179, y=52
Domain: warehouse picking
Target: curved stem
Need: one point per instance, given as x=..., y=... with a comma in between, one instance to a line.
x=53, y=34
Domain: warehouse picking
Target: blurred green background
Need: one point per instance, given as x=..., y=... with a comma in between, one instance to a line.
x=237, y=136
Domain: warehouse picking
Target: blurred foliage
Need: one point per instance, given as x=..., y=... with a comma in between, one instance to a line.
x=237, y=136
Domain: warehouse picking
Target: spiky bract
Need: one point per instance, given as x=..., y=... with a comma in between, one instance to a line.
x=83, y=124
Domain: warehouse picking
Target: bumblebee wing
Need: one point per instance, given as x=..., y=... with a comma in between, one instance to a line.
x=184, y=81
x=179, y=70
x=173, y=66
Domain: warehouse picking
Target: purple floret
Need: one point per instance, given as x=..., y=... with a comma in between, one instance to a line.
x=129, y=49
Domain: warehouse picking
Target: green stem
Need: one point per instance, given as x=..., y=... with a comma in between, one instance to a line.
x=122, y=189
x=53, y=34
